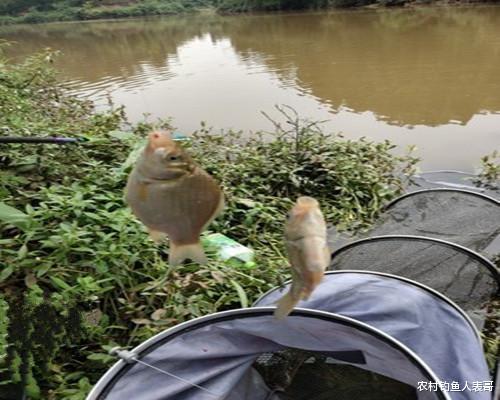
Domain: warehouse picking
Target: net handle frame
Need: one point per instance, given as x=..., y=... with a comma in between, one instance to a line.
x=426, y=288
x=108, y=380
x=483, y=196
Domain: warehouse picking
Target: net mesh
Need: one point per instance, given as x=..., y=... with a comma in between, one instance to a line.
x=300, y=375
x=464, y=279
x=459, y=217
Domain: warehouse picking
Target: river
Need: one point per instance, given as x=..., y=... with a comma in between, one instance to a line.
x=428, y=77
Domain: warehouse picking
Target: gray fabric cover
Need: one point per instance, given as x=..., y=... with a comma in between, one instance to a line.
x=219, y=357
x=437, y=332
x=217, y=352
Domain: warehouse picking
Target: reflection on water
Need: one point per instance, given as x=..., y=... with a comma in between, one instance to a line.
x=429, y=77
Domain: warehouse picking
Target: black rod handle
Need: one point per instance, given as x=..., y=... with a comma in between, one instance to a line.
x=34, y=139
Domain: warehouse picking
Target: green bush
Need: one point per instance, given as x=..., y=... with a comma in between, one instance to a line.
x=269, y=5
x=351, y=3
x=489, y=173
x=272, y=5
x=144, y=8
x=35, y=16
x=9, y=20
x=84, y=10
x=31, y=11
x=393, y=3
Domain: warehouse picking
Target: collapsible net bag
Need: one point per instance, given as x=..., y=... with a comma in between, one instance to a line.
x=388, y=336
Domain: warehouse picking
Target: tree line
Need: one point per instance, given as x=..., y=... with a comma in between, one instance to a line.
x=33, y=11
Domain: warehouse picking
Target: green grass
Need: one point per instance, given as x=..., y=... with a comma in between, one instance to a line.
x=76, y=10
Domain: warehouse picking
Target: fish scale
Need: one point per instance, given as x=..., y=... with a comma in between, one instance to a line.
x=173, y=204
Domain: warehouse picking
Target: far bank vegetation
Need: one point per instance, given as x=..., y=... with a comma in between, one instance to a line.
x=37, y=11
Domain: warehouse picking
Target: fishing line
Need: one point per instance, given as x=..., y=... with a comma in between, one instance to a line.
x=129, y=356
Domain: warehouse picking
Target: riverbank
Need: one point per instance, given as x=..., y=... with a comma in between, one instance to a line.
x=68, y=11
x=24, y=12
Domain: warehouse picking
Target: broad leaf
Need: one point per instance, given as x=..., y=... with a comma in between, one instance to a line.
x=13, y=216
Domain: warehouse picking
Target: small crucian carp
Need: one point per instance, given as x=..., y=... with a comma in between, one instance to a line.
x=306, y=245
x=173, y=196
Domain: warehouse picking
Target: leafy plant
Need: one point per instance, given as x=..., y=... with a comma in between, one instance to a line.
x=263, y=174
x=489, y=173
x=35, y=11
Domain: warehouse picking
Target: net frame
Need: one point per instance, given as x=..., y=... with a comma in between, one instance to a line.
x=453, y=179
x=270, y=297
x=426, y=288
x=425, y=185
x=405, y=196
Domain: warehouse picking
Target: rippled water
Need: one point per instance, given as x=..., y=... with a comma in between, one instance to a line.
x=429, y=77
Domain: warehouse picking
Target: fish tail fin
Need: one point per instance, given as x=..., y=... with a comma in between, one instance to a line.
x=156, y=236
x=180, y=252
x=312, y=280
x=285, y=305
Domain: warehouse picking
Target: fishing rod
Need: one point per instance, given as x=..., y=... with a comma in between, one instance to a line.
x=39, y=140
x=63, y=140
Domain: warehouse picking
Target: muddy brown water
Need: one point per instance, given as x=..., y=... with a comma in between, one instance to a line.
x=429, y=77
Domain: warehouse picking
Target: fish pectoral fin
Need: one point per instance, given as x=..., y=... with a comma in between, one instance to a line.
x=178, y=253
x=156, y=236
x=285, y=305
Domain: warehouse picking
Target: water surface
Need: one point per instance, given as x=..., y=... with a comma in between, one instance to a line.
x=429, y=77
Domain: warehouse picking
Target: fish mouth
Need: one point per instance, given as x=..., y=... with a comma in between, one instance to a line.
x=169, y=175
x=178, y=165
x=174, y=158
